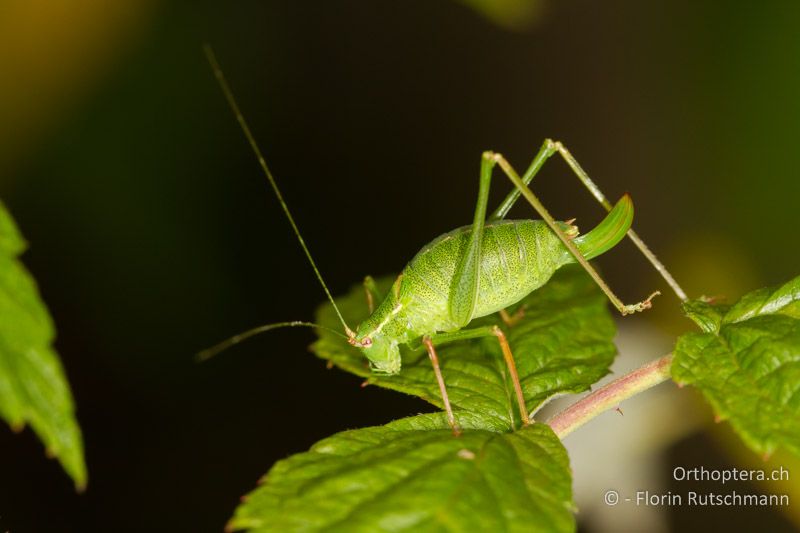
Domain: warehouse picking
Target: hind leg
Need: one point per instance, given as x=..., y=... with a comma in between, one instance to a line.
x=550, y=148
x=623, y=308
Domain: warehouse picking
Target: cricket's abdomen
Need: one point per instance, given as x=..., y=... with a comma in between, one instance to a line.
x=518, y=256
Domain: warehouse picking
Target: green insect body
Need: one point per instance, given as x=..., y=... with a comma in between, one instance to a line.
x=517, y=257
x=472, y=271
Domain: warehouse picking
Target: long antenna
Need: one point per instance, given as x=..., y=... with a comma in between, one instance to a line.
x=208, y=353
x=212, y=60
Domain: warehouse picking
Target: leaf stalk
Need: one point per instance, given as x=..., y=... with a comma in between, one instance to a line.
x=609, y=396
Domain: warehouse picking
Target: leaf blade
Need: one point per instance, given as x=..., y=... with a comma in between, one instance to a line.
x=413, y=474
x=749, y=369
x=33, y=387
x=562, y=344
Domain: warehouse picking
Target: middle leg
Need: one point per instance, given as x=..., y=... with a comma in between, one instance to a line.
x=451, y=419
x=496, y=332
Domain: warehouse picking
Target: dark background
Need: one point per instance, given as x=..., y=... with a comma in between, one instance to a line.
x=153, y=234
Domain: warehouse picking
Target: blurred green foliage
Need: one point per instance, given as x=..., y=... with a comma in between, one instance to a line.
x=33, y=388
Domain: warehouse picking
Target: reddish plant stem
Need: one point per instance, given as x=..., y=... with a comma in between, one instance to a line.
x=611, y=395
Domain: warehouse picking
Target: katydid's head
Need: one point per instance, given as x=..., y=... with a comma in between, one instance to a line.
x=383, y=354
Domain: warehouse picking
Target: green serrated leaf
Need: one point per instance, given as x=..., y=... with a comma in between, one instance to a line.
x=783, y=300
x=414, y=475
x=562, y=344
x=749, y=369
x=33, y=388
x=705, y=314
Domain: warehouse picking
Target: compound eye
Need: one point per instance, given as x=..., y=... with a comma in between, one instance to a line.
x=366, y=342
